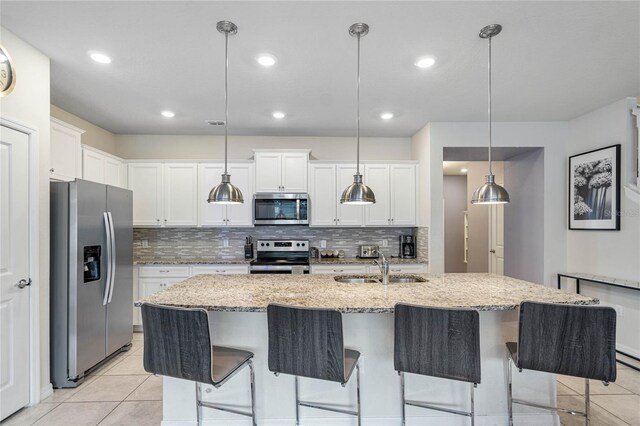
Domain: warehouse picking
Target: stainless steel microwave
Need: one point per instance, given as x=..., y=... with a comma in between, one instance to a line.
x=280, y=209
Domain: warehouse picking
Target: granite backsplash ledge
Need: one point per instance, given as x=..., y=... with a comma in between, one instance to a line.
x=203, y=243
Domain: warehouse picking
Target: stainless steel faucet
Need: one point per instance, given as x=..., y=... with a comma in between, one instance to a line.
x=384, y=268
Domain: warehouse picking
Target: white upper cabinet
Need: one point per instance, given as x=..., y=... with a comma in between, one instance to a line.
x=326, y=183
x=284, y=171
x=180, y=194
x=145, y=180
x=209, y=175
x=98, y=166
x=395, y=188
x=322, y=194
x=403, y=194
x=65, y=151
x=376, y=177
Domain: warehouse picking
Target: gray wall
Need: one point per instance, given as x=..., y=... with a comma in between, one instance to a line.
x=455, y=204
x=524, y=217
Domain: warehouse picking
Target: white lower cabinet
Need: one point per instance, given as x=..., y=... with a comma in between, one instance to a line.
x=337, y=268
x=223, y=269
x=418, y=268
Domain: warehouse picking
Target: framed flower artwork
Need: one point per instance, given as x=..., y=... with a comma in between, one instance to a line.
x=594, y=189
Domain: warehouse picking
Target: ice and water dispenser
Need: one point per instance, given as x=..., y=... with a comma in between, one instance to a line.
x=91, y=263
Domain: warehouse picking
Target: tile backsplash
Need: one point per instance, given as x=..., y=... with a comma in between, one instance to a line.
x=184, y=243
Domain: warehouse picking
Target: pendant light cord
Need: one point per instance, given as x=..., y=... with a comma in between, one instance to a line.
x=490, y=170
x=358, y=111
x=226, y=95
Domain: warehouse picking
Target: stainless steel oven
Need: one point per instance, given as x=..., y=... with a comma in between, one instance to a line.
x=281, y=257
x=280, y=209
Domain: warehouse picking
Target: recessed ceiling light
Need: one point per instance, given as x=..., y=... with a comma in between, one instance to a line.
x=464, y=170
x=266, y=60
x=279, y=115
x=425, y=62
x=386, y=115
x=101, y=58
x=168, y=114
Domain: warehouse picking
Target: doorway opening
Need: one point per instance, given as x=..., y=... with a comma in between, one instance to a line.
x=500, y=239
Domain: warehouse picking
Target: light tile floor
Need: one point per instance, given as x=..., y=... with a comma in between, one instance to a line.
x=122, y=393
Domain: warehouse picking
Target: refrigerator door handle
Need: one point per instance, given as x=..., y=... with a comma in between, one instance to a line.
x=112, y=257
x=107, y=229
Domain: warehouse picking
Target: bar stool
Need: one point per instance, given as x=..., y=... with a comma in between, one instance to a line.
x=437, y=342
x=177, y=344
x=307, y=342
x=572, y=340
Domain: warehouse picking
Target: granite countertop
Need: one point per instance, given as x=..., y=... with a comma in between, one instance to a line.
x=252, y=293
x=156, y=260
x=359, y=261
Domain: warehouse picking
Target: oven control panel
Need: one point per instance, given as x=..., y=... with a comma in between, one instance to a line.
x=282, y=245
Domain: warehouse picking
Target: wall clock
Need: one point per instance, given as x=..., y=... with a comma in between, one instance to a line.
x=7, y=73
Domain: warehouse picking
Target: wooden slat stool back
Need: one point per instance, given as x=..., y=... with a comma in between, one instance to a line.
x=571, y=340
x=177, y=344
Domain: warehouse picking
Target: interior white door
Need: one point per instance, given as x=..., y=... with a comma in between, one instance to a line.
x=376, y=177
x=145, y=180
x=403, y=194
x=92, y=166
x=180, y=194
x=268, y=171
x=242, y=178
x=294, y=171
x=112, y=172
x=347, y=214
x=209, y=175
x=322, y=194
x=14, y=268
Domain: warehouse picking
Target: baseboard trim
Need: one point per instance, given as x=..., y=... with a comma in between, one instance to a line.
x=544, y=419
x=46, y=391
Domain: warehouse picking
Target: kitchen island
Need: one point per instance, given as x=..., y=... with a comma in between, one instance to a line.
x=238, y=319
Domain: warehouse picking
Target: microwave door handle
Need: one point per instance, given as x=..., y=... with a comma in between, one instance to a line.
x=113, y=257
x=107, y=230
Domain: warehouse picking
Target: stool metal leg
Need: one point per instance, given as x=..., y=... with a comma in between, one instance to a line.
x=252, y=374
x=473, y=410
x=358, y=392
x=587, y=403
x=297, y=402
x=509, y=391
x=198, y=404
x=404, y=419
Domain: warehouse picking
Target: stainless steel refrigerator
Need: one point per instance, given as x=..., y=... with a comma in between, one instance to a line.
x=91, y=277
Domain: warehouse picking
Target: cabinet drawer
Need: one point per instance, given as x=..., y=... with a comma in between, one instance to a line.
x=419, y=268
x=338, y=269
x=220, y=269
x=162, y=271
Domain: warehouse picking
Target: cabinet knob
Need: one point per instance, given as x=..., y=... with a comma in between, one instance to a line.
x=51, y=170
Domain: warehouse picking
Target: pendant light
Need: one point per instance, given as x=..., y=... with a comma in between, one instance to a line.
x=225, y=192
x=490, y=192
x=358, y=192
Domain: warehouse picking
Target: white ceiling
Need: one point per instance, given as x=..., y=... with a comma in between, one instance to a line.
x=553, y=61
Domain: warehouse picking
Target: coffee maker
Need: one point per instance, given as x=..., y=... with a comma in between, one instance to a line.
x=407, y=246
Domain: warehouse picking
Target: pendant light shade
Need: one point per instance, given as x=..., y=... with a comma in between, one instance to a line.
x=225, y=192
x=490, y=192
x=358, y=192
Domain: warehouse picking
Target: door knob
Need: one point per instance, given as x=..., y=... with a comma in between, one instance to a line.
x=492, y=251
x=23, y=283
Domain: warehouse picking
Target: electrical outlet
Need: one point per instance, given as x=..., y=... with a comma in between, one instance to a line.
x=619, y=310
x=323, y=243
x=385, y=243
x=225, y=242
x=145, y=243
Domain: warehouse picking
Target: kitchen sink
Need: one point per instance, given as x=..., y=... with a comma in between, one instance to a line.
x=356, y=280
x=404, y=279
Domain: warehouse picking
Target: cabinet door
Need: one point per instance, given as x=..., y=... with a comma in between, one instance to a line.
x=180, y=194
x=93, y=166
x=241, y=177
x=294, y=171
x=418, y=268
x=268, y=171
x=209, y=175
x=403, y=194
x=376, y=177
x=148, y=286
x=347, y=214
x=220, y=269
x=65, y=152
x=112, y=172
x=322, y=194
x=338, y=269
x=145, y=180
